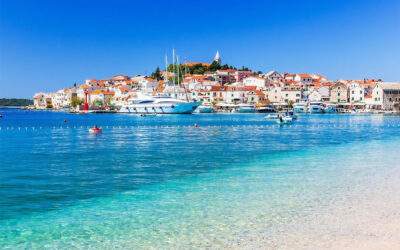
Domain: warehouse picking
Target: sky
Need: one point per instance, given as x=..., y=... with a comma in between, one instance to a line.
x=48, y=45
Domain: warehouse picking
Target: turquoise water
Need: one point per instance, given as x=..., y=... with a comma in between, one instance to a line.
x=159, y=182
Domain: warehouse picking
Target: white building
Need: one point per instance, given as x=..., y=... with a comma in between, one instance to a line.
x=273, y=76
x=259, y=82
x=356, y=92
x=386, y=96
x=303, y=79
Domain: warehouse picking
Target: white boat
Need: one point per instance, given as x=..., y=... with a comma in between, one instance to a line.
x=300, y=107
x=145, y=104
x=246, y=108
x=330, y=108
x=272, y=116
x=284, y=120
x=316, y=107
x=205, y=109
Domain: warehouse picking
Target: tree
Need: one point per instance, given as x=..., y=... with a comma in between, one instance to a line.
x=75, y=101
x=259, y=72
x=214, y=103
x=235, y=102
x=156, y=74
x=49, y=106
x=214, y=66
x=108, y=100
x=290, y=103
x=75, y=84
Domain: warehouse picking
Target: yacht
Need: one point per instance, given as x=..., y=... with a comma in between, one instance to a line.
x=162, y=104
x=246, y=108
x=266, y=109
x=316, y=107
x=330, y=108
x=205, y=109
x=300, y=107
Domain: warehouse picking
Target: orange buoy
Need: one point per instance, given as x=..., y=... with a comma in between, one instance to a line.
x=195, y=125
x=65, y=120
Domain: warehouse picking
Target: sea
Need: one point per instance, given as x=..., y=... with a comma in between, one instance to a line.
x=234, y=181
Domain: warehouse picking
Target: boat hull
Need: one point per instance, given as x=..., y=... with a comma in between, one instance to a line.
x=316, y=109
x=161, y=108
x=300, y=110
x=206, y=109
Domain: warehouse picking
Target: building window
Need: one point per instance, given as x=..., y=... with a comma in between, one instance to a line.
x=338, y=100
x=287, y=95
x=352, y=98
x=360, y=91
x=352, y=92
x=360, y=98
x=252, y=98
x=232, y=95
x=338, y=94
x=390, y=99
x=338, y=87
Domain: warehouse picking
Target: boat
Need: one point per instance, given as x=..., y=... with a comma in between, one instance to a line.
x=316, y=107
x=161, y=104
x=246, y=108
x=330, y=108
x=95, y=130
x=284, y=120
x=205, y=109
x=300, y=107
x=291, y=114
x=272, y=116
x=266, y=109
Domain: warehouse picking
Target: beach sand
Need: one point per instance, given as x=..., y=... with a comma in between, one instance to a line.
x=368, y=219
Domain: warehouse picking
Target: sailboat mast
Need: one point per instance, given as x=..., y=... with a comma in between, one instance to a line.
x=173, y=69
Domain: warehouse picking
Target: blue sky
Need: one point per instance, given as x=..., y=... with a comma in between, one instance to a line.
x=48, y=45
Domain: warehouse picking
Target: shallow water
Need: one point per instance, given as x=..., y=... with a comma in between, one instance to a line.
x=236, y=180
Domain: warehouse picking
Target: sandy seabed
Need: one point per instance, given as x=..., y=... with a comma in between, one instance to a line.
x=369, y=219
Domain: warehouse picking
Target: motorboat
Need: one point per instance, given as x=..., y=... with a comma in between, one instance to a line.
x=330, y=108
x=160, y=104
x=316, y=107
x=272, y=116
x=246, y=108
x=284, y=120
x=205, y=109
x=300, y=108
x=266, y=109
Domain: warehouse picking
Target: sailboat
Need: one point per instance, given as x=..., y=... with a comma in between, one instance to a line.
x=160, y=104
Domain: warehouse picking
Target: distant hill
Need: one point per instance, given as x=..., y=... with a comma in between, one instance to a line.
x=15, y=102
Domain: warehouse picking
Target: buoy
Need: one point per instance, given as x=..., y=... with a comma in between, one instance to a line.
x=195, y=125
x=1, y=116
x=341, y=125
x=65, y=120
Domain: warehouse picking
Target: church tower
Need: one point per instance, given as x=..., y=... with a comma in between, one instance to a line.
x=217, y=58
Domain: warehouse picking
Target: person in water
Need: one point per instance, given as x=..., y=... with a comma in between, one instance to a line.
x=95, y=127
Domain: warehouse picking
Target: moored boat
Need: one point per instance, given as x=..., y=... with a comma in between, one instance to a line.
x=246, y=108
x=300, y=108
x=144, y=104
x=316, y=107
x=330, y=108
x=266, y=109
x=205, y=109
